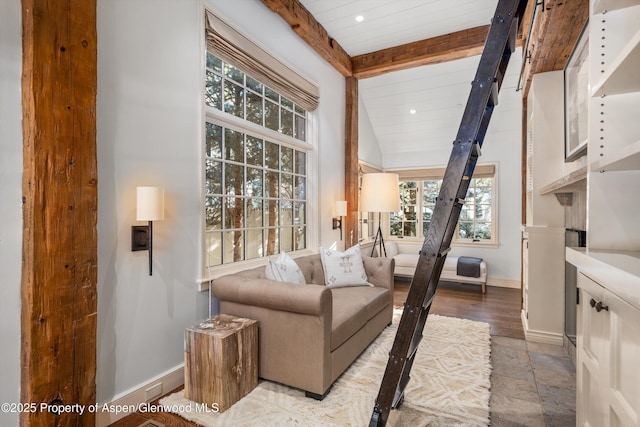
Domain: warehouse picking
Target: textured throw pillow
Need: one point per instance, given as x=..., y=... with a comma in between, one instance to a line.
x=343, y=268
x=284, y=269
x=392, y=249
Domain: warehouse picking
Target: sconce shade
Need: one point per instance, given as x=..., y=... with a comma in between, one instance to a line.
x=380, y=192
x=341, y=208
x=150, y=204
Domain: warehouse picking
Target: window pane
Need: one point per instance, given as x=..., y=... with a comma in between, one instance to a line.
x=483, y=213
x=272, y=94
x=231, y=72
x=271, y=184
x=254, y=85
x=286, y=159
x=425, y=228
x=286, y=212
x=213, y=141
x=254, y=108
x=233, y=250
x=427, y=213
x=299, y=213
x=233, y=179
x=271, y=213
x=271, y=117
x=254, y=212
x=233, y=99
x=301, y=162
x=213, y=183
x=483, y=231
x=253, y=184
x=286, y=122
x=214, y=63
x=286, y=103
x=410, y=229
x=254, y=151
x=286, y=186
x=301, y=188
x=298, y=109
x=300, y=235
x=234, y=212
x=483, y=195
x=466, y=214
x=213, y=213
x=396, y=228
x=431, y=188
x=214, y=249
x=254, y=244
x=409, y=213
x=300, y=128
x=213, y=91
x=233, y=145
x=272, y=155
x=465, y=230
x=286, y=239
x=273, y=241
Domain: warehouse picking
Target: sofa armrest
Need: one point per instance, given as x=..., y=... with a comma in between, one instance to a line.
x=305, y=299
x=380, y=271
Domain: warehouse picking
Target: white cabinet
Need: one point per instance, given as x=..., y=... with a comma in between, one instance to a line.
x=543, y=284
x=608, y=352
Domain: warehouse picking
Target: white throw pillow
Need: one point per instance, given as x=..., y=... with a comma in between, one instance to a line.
x=343, y=268
x=391, y=249
x=284, y=269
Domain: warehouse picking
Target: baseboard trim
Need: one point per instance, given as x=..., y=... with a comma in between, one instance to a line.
x=503, y=283
x=135, y=397
x=541, y=337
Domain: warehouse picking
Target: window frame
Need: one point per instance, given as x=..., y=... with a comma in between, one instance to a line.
x=232, y=122
x=457, y=241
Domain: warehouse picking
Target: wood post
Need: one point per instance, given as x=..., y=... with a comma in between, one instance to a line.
x=351, y=163
x=59, y=268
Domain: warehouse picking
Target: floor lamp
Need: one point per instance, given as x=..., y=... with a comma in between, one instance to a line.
x=379, y=193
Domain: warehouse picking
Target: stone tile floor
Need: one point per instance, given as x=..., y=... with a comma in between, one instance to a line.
x=531, y=384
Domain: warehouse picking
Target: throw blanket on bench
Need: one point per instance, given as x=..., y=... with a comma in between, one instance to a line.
x=468, y=266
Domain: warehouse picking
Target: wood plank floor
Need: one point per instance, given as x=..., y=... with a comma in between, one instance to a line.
x=500, y=307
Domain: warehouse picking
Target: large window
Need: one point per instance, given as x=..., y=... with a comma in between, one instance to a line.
x=417, y=202
x=255, y=181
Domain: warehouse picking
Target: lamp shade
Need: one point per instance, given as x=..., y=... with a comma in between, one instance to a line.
x=341, y=208
x=150, y=204
x=380, y=192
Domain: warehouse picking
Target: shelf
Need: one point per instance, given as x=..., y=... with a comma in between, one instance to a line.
x=600, y=6
x=617, y=271
x=622, y=75
x=575, y=181
x=626, y=159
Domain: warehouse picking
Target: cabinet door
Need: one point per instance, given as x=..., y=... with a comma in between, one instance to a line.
x=624, y=377
x=592, y=355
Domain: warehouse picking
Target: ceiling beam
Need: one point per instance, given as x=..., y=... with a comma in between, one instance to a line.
x=448, y=47
x=556, y=29
x=309, y=29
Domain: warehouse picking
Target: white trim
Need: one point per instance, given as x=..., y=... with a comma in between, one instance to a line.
x=135, y=397
x=540, y=336
x=503, y=283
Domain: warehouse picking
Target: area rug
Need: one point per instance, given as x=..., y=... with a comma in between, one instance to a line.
x=450, y=383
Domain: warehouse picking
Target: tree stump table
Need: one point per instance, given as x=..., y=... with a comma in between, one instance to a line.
x=220, y=360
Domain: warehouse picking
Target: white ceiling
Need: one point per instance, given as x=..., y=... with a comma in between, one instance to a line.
x=438, y=92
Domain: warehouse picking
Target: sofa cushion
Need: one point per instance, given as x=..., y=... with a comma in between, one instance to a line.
x=352, y=308
x=343, y=268
x=284, y=269
x=406, y=260
x=391, y=248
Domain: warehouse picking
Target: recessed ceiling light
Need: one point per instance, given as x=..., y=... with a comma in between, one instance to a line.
x=412, y=111
x=359, y=18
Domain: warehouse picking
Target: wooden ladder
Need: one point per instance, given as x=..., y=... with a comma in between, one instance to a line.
x=482, y=100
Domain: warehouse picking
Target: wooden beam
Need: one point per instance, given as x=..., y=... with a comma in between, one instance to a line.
x=305, y=25
x=351, y=161
x=555, y=31
x=59, y=268
x=435, y=50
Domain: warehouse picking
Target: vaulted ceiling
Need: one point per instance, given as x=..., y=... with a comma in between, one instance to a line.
x=398, y=35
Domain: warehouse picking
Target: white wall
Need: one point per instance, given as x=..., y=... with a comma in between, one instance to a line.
x=10, y=203
x=368, y=147
x=502, y=147
x=150, y=126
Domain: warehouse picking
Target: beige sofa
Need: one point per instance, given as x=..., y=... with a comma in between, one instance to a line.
x=406, y=259
x=309, y=334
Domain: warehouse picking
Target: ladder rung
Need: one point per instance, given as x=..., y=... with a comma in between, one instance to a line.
x=443, y=252
x=476, y=150
x=513, y=34
x=493, y=97
x=428, y=302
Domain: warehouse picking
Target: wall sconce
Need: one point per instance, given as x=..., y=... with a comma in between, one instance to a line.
x=341, y=210
x=149, y=207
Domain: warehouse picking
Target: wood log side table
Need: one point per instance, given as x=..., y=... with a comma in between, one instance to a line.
x=220, y=360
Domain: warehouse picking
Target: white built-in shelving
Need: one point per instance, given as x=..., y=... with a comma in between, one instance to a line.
x=621, y=76
x=625, y=159
x=600, y=6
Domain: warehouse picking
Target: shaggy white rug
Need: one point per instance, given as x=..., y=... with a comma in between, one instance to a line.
x=449, y=386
